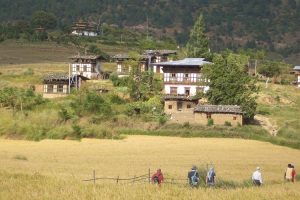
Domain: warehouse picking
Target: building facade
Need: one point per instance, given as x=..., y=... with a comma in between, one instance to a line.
x=146, y=61
x=82, y=28
x=297, y=72
x=59, y=85
x=88, y=66
x=219, y=115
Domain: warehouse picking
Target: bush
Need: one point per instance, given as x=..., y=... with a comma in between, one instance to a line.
x=28, y=72
x=227, y=123
x=186, y=125
x=210, y=122
x=162, y=119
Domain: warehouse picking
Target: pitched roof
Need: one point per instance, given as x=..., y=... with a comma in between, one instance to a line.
x=297, y=68
x=219, y=109
x=126, y=56
x=88, y=57
x=185, y=62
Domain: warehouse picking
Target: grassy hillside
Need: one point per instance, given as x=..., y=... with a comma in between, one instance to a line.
x=54, y=169
x=272, y=24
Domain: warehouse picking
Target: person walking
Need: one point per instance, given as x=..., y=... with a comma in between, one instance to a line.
x=193, y=176
x=210, y=177
x=290, y=173
x=257, y=177
x=158, y=177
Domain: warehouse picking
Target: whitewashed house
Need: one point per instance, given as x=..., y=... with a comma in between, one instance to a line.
x=297, y=72
x=182, y=81
x=82, y=28
x=86, y=65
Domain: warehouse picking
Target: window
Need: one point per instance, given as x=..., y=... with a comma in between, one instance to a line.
x=208, y=115
x=84, y=68
x=88, y=69
x=173, y=90
x=50, y=89
x=179, y=105
x=45, y=88
x=77, y=68
x=81, y=68
x=234, y=118
x=188, y=106
x=119, y=68
x=187, y=91
x=170, y=107
x=60, y=88
x=74, y=68
x=173, y=75
x=186, y=75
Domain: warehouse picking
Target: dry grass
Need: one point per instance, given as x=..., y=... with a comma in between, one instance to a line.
x=54, y=169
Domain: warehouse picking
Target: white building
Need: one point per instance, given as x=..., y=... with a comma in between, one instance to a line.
x=297, y=72
x=87, y=66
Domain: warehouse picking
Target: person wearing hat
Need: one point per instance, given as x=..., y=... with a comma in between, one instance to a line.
x=256, y=177
x=210, y=177
x=193, y=176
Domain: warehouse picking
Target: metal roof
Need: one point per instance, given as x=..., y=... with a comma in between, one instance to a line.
x=219, y=109
x=297, y=68
x=185, y=62
x=126, y=56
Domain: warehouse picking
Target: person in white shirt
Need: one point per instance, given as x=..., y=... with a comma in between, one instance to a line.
x=256, y=177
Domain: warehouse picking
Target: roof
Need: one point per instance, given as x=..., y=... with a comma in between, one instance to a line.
x=62, y=77
x=88, y=57
x=297, y=68
x=159, y=52
x=185, y=62
x=126, y=56
x=219, y=109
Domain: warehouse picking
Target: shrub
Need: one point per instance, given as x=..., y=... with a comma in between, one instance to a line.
x=76, y=131
x=20, y=157
x=227, y=123
x=186, y=125
x=162, y=119
x=28, y=72
x=64, y=114
x=210, y=122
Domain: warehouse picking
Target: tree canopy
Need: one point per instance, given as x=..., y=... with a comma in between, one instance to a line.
x=43, y=19
x=229, y=83
x=198, y=44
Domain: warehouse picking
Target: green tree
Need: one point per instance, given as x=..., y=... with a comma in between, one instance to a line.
x=229, y=83
x=198, y=44
x=43, y=19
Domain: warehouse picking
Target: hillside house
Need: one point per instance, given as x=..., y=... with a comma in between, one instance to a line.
x=82, y=28
x=59, y=85
x=158, y=56
x=87, y=65
x=121, y=60
x=219, y=114
x=146, y=60
x=297, y=72
x=182, y=81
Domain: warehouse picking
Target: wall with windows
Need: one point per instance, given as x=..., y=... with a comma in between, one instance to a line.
x=187, y=90
x=219, y=118
x=85, y=69
x=55, y=90
x=179, y=106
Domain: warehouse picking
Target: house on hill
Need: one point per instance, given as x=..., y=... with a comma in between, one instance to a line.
x=88, y=66
x=82, y=28
x=182, y=81
x=297, y=72
x=59, y=85
x=147, y=58
x=219, y=114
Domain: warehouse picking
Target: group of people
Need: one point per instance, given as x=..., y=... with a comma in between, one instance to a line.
x=193, y=177
x=210, y=179
x=289, y=175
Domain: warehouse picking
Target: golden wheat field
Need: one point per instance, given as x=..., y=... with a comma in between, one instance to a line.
x=55, y=169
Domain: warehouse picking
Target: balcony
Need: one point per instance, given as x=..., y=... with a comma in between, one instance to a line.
x=183, y=81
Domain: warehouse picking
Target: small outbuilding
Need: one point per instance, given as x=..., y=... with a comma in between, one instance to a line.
x=219, y=114
x=297, y=72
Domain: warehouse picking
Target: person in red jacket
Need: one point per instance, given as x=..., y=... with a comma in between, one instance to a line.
x=293, y=174
x=158, y=177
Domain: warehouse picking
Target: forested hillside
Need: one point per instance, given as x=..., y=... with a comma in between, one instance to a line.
x=269, y=24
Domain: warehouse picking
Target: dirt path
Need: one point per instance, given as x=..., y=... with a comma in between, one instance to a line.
x=266, y=124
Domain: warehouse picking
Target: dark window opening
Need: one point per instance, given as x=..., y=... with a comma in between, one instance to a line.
x=50, y=88
x=60, y=88
x=234, y=118
x=179, y=105
x=189, y=106
x=170, y=107
x=208, y=115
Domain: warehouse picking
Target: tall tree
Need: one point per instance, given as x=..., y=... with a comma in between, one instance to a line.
x=43, y=19
x=198, y=44
x=230, y=84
